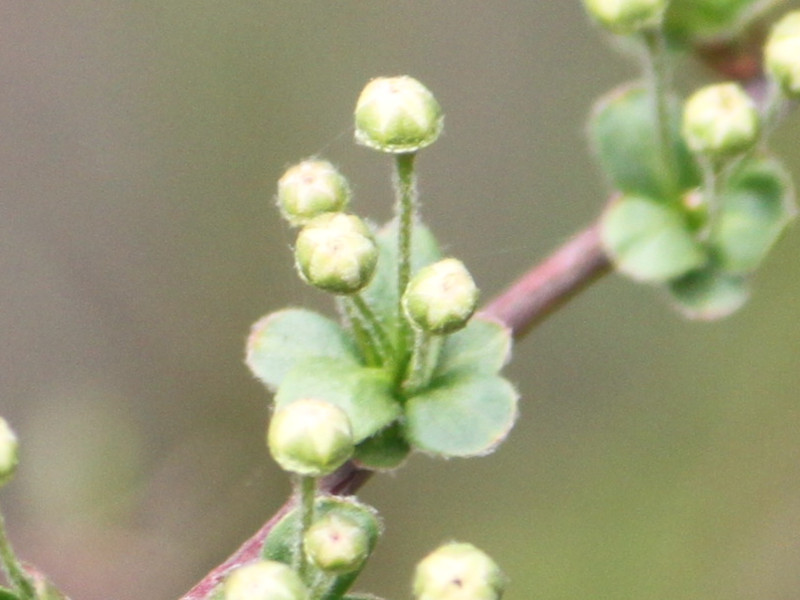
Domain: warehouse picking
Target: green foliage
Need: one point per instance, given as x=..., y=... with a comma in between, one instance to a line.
x=623, y=132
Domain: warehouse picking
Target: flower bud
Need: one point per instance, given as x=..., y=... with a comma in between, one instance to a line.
x=310, y=437
x=782, y=53
x=720, y=120
x=264, y=580
x=627, y=16
x=336, y=544
x=337, y=253
x=458, y=572
x=397, y=115
x=441, y=297
x=311, y=188
x=8, y=452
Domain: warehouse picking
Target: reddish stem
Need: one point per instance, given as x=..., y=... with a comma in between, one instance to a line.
x=526, y=302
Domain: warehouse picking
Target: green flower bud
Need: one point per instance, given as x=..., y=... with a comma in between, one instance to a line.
x=627, y=16
x=264, y=580
x=441, y=297
x=311, y=188
x=720, y=120
x=397, y=115
x=336, y=544
x=310, y=437
x=458, y=572
x=8, y=452
x=782, y=53
x=337, y=253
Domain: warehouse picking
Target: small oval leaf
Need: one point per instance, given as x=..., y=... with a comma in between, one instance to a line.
x=624, y=135
x=758, y=205
x=465, y=415
x=483, y=346
x=384, y=451
x=280, y=340
x=709, y=294
x=649, y=241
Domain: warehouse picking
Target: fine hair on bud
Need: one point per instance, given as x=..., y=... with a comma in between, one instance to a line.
x=311, y=188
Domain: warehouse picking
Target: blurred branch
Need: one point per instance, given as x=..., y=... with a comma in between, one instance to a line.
x=546, y=287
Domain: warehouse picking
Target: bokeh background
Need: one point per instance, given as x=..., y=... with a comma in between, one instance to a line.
x=140, y=143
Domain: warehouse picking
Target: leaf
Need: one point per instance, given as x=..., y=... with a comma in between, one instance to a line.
x=6, y=594
x=381, y=293
x=461, y=415
x=385, y=450
x=649, y=241
x=692, y=19
x=709, y=294
x=483, y=346
x=282, y=540
x=624, y=135
x=758, y=205
x=280, y=340
x=364, y=393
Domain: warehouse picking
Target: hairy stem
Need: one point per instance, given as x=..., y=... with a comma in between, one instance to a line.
x=405, y=207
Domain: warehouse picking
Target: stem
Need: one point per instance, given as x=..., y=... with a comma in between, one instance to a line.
x=306, y=489
x=547, y=286
x=11, y=566
x=418, y=368
x=658, y=77
x=378, y=339
x=405, y=207
x=363, y=339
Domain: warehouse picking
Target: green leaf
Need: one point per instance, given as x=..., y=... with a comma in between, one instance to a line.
x=282, y=542
x=649, y=241
x=624, y=134
x=365, y=394
x=280, y=340
x=6, y=594
x=690, y=20
x=483, y=346
x=461, y=415
x=385, y=450
x=381, y=293
x=709, y=294
x=758, y=205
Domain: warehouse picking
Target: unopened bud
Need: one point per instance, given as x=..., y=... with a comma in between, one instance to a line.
x=337, y=253
x=310, y=437
x=720, y=120
x=336, y=544
x=264, y=580
x=8, y=452
x=782, y=53
x=441, y=297
x=397, y=115
x=627, y=16
x=458, y=571
x=311, y=188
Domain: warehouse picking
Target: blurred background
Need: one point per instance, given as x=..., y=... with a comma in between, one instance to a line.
x=139, y=149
